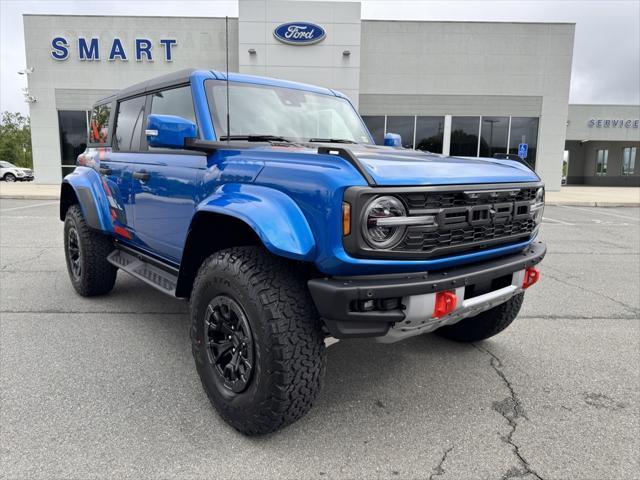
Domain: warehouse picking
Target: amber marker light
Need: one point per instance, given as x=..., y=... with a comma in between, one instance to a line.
x=346, y=219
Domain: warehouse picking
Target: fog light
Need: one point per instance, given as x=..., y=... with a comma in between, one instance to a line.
x=445, y=303
x=531, y=276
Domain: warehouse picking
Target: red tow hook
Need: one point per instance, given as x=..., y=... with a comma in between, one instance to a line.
x=531, y=276
x=445, y=303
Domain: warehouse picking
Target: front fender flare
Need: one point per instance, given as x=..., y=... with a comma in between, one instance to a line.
x=87, y=186
x=273, y=215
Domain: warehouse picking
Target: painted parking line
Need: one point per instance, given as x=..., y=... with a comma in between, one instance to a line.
x=600, y=212
x=553, y=220
x=12, y=209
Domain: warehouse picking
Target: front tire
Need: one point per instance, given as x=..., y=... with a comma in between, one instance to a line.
x=256, y=339
x=9, y=177
x=484, y=325
x=86, y=254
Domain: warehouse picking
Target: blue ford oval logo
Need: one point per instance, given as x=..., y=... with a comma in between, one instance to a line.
x=299, y=33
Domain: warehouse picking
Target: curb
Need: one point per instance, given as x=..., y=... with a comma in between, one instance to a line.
x=29, y=197
x=593, y=204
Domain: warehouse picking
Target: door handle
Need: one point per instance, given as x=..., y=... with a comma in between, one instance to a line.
x=142, y=176
x=105, y=170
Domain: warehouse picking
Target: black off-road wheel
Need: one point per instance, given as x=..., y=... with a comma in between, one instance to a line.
x=484, y=325
x=256, y=339
x=86, y=253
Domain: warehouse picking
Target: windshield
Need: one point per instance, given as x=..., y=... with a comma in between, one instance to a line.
x=296, y=115
x=4, y=164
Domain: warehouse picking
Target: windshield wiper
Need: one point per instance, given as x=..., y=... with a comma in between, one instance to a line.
x=256, y=138
x=330, y=140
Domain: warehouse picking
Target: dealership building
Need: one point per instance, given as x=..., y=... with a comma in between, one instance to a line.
x=456, y=88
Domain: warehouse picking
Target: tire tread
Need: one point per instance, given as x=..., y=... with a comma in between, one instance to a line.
x=295, y=350
x=98, y=275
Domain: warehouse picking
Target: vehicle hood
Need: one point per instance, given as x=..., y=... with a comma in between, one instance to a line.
x=390, y=166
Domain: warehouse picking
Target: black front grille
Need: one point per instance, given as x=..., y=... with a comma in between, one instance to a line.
x=428, y=241
x=471, y=218
x=417, y=201
x=466, y=218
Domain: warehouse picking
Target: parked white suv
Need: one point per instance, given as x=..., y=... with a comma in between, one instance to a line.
x=10, y=173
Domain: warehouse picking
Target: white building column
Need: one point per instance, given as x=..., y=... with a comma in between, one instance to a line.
x=446, y=135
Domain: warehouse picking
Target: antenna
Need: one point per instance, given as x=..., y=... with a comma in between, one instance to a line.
x=226, y=34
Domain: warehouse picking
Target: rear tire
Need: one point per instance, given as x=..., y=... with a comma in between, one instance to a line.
x=86, y=253
x=256, y=339
x=484, y=325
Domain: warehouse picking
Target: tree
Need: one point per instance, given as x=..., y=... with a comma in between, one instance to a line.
x=15, y=139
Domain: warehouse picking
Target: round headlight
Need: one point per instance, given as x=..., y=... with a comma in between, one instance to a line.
x=378, y=227
x=538, y=206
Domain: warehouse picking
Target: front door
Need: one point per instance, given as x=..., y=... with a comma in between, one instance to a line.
x=166, y=183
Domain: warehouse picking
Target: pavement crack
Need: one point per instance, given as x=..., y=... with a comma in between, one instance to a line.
x=591, y=292
x=512, y=410
x=439, y=469
x=26, y=260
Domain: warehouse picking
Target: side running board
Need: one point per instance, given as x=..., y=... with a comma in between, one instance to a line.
x=141, y=269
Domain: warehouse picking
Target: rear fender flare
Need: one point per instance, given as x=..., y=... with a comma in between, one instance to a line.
x=86, y=184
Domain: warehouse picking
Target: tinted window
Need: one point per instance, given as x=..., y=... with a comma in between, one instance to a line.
x=494, y=136
x=429, y=133
x=129, y=125
x=403, y=126
x=464, y=136
x=524, y=130
x=177, y=101
x=99, y=124
x=375, y=124
x=72, y=126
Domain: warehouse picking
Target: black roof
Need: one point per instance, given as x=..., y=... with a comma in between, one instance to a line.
x=173, y=78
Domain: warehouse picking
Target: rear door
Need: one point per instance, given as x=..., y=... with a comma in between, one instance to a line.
x=112, y=164
x=167, y=183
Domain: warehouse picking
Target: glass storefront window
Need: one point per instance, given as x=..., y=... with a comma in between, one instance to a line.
x=72, y=126
x=602, y=158
x=524, y=130
x=628, y=160
x=375, y=124
x=464, y=136
x=493, y=138
x=403, y=126
x=429, y=133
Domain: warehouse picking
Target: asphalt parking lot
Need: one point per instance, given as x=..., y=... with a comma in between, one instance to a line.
x=106, y=387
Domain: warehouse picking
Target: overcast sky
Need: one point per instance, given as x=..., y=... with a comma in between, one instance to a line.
x=606, y=59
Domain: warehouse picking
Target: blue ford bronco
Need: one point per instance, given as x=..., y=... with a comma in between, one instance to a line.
x=267, y=204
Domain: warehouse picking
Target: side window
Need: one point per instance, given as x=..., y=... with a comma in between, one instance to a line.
x=177, y=101
x=129, y=125
x=99, y=124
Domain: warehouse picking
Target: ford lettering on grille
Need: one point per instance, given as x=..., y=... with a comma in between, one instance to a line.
x=467, y=220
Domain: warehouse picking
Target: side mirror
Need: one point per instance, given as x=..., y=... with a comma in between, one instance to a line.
x=169, y=131
x=392, y=140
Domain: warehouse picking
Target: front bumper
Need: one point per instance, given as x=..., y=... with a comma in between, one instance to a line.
x=335, y=297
